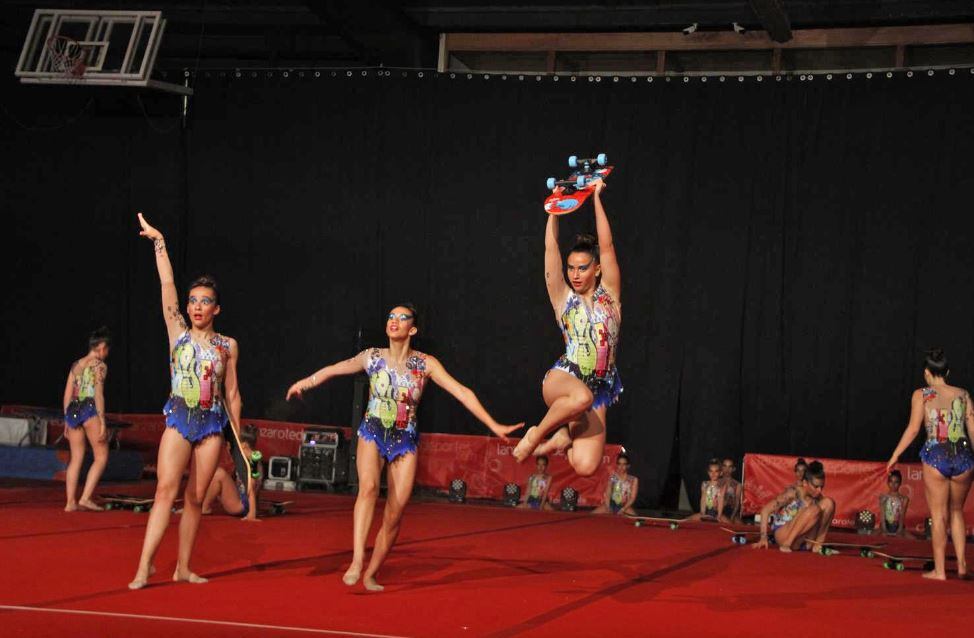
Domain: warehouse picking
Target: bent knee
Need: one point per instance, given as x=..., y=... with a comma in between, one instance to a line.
x=586, y=466
x=827, y=505
x=368, y=490
x=582, y=400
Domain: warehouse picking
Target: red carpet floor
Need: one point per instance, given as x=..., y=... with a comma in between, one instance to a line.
x=457, y=571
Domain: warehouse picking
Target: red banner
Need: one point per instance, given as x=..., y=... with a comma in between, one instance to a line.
x=483, y=462
x=853, y=485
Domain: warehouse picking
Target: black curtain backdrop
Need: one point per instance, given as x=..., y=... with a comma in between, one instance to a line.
x=788, y=248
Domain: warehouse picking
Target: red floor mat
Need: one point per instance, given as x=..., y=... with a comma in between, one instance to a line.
x=458, y=571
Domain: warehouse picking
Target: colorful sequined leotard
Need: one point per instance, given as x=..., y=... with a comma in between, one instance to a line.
x=730, y=498
x=537, y=488
x=620, y=489
x=390, y=418
x=195, y=407
x=591, y=339
x=891, y=508
x=82, y=405
x=947, y=448
x=711, y=490
x=787, y=512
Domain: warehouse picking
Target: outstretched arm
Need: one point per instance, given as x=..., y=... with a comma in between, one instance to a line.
x=175, y=324
x=611, y=277
x=553, y=278
x=467, y=397
x=348, y=366
x=101, y=371
x=912, y=429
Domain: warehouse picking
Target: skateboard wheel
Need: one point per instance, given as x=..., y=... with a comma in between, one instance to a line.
x=580, y=181
x=870, y=553
x=550, y=183
x=900, y=567
x=573, y=161
x=601, y=159
x=108, y=506
x=888, y=565
x=638, y=523
x=674, y=526
x=138, y=508
x=864, y=553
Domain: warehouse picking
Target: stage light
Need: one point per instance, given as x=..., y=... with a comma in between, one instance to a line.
x=690, y=29
x=512, y=494
x=738, y=28
x=569, y=499
x=865, y=522
x=458, y=491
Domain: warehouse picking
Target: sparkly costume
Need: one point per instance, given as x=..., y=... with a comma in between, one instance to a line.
x=537, y=488
x=620, y=491
x=787, y=512
x=195, y=407
x=891, y=507
x=591, y=339
x=947, y=449
x=82, y=405
x=710, y=490
x=390, y=418
x=730, y=498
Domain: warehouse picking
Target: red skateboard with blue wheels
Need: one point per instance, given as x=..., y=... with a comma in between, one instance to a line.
x=569, y=194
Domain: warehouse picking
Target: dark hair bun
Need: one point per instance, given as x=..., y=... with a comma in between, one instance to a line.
x=936, y=362
x=99, y=336
x=586, y=243
x=206, y=281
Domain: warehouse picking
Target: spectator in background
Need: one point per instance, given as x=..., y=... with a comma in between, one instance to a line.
x=621, y=491
x=711, y=494
x=539, y=484
x=731, y=490
x=893, y=506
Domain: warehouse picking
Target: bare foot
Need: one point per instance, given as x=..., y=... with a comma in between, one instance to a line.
x=560, y=441
x=188, y=577
x=785, y=549
x=352, y=574
x=526, y=445
x=204, y=512
x=934, y=575
x=371, y=585
x=142, y=579
x=71, y=507
x=90, y=505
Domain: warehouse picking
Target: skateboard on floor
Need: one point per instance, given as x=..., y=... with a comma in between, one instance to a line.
x=275, y=508
x=741, y=536
x=640, y=521
x=128, y=502
x=570, y=193
x=899, y=563
x=865, y=549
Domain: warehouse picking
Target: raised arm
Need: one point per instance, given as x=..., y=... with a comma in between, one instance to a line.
x=554, y=278
x=231, y=387
x=912, y=429
x=175, y=324
x=348, y=366
x=101, y=372
x=466, y=396
x=611, y=277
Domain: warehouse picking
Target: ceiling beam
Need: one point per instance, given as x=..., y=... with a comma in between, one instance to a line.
x=773, y=18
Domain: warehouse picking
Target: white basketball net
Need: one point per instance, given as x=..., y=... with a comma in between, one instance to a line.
x=66, y=56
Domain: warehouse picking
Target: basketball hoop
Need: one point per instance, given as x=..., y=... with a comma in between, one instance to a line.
x=66, y=56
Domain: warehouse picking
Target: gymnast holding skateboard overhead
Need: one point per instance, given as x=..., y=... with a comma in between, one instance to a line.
x=388, y=433
x=204, y=394
x=584, y=382
x=948, y=462
x=84, y=417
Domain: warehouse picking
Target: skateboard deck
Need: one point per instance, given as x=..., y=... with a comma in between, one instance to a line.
x=639, y=521
x=899, y=563
x=865, y=549
x=569, y=194
x=128, y=502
